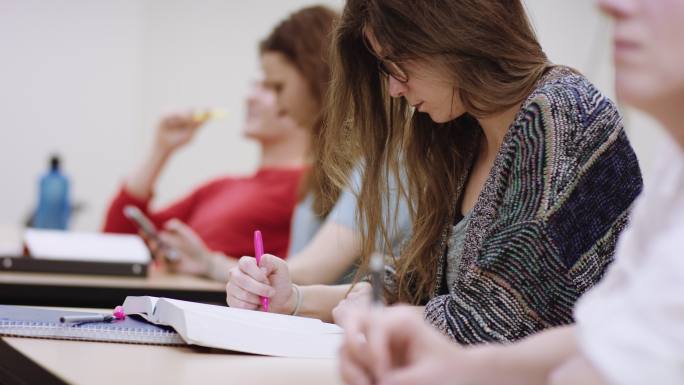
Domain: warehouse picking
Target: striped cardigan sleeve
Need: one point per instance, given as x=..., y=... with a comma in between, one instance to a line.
x=568, y=177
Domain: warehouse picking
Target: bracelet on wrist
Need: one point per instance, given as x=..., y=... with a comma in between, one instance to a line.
x=298, y=300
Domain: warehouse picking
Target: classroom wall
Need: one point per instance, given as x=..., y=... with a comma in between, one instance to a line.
x=70, y=74
x=89, y=79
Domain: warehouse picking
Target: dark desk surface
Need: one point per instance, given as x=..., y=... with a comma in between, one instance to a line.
x=44, y=289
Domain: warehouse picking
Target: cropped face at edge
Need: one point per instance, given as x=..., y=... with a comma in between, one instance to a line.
x=648, y=50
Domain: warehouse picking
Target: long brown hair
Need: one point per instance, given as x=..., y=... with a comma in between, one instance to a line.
x=304, y=39
x=488, y=48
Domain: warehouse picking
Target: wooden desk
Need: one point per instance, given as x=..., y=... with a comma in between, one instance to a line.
x=29, y=361
x=43, y=289
x=58, y=362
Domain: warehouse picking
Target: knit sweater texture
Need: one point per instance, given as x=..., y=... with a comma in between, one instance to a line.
x=545, y=225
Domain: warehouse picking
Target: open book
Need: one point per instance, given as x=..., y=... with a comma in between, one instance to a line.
x=240, y=330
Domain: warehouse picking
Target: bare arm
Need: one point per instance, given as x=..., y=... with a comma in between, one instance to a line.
x=219, y=266
x=318, y=301
x=173, y=132
x=528, y=362
x=576, y=370
x=194, y=256
x=329, y=254
x=142, y=180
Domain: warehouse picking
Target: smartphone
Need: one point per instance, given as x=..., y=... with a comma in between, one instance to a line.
x=147, y=227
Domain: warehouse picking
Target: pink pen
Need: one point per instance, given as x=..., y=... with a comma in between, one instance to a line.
x=258, y=252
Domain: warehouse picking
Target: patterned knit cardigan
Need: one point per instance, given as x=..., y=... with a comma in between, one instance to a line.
x=544, y=227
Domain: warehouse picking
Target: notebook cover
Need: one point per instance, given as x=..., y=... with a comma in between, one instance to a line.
x=21, y=321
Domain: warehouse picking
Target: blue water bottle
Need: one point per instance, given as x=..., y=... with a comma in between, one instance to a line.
x=54, y=207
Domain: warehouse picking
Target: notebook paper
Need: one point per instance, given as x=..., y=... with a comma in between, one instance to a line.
x=23, y=321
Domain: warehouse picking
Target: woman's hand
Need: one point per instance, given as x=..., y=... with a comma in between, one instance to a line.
x=247, y=282
x=193, y=256
x=176, y=130
x=396, y=346
x=359, y=298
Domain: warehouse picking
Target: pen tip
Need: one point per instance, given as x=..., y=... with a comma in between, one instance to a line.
x=376, y=263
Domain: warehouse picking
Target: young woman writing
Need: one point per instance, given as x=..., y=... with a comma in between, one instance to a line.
x=519, y=175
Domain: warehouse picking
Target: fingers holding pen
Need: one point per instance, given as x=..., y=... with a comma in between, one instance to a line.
x=247, y=283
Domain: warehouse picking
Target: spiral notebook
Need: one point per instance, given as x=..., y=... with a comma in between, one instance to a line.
x=20, y=321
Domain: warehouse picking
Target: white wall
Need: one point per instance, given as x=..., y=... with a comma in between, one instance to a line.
x=70, y=72
x=205, y=54
x=89, y=78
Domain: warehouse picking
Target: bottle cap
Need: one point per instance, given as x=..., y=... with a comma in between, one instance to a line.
x=54, y=162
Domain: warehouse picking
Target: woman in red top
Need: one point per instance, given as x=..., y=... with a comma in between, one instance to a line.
x=218, y=218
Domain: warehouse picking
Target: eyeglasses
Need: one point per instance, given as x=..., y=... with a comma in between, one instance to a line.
x=390, y=68
x=387, y=67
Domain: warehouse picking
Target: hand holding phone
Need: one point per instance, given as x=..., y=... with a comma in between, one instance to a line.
x=147, y=227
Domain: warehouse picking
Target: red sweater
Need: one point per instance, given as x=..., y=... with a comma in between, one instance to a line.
x=226, y=211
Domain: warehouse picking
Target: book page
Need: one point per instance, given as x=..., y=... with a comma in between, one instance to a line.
x=142, y=306
x=260, y=319
x=248, y=331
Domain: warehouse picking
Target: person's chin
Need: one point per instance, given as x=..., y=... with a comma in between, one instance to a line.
x=249, y=134
x=635, y=91
x=440, y=118
x=434, y=117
